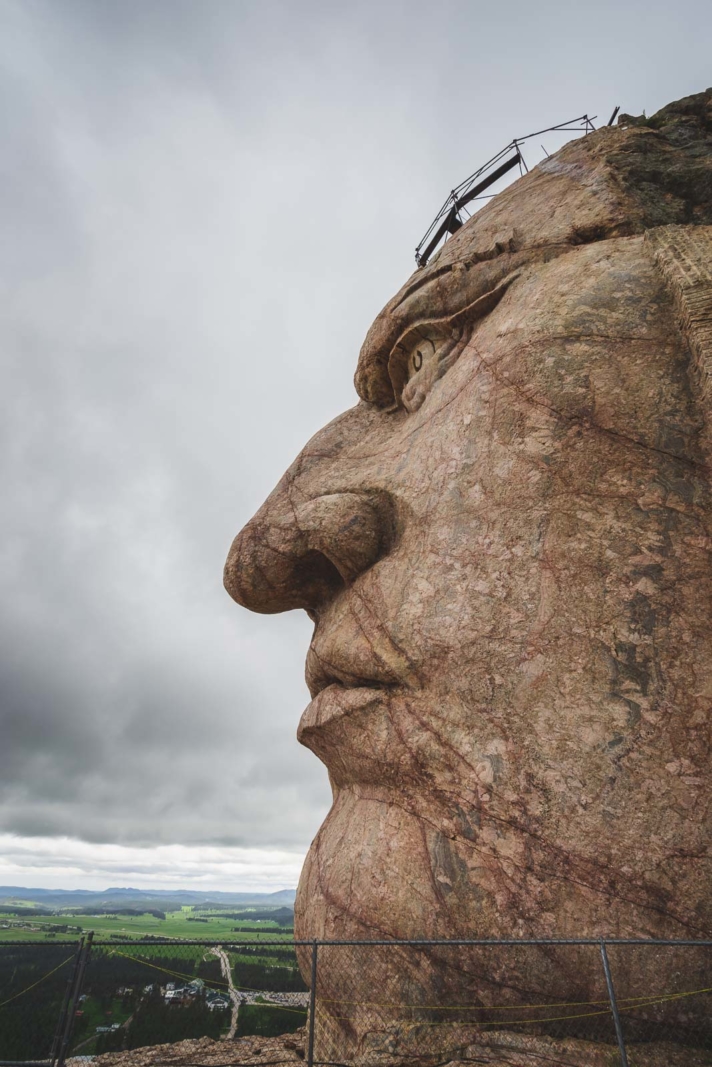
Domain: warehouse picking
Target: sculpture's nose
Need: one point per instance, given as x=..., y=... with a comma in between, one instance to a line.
x=301, y=557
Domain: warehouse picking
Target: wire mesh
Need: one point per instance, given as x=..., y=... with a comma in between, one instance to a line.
x=430, y=1003
x=33, y=985
x=375, y=1003
x=137, y=994
x=664, y=995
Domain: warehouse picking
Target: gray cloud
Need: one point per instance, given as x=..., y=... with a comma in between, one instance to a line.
x=203, y=206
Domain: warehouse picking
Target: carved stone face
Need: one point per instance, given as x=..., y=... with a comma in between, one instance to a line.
x=505, y=549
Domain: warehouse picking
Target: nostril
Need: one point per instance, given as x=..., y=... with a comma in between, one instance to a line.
x=347, y=528
x=302, y=557
x=316, y=572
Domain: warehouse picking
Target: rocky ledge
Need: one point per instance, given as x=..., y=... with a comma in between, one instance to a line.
x=288, y=1048
x=500, y=1049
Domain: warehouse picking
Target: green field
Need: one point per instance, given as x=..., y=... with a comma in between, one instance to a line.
x=177, y=924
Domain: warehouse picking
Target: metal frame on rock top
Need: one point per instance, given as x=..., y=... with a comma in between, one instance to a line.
x=449, y=218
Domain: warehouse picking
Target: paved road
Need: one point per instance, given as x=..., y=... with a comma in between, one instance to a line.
x=234, y=995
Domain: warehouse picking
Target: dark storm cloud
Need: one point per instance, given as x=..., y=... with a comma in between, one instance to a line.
x=203, y=206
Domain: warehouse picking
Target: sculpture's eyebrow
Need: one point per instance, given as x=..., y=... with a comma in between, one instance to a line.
x=423, y=280
x=431, y=299
x=470, y=260
x=470, y=313
x=417, y=329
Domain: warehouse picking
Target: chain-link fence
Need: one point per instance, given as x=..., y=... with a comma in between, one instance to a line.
x=570, y=1003
x=59, y=1001
x=644, y=1004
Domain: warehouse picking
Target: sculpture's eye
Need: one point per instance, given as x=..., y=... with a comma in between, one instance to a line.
x=428, y=360
x=422, y=355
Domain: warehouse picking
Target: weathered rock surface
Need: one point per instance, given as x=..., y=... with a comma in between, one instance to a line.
x=501, y=1049
x=506, y=548
x=289, y=1048
x=510, y=1050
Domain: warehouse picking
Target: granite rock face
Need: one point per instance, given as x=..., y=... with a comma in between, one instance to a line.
x=506, y=549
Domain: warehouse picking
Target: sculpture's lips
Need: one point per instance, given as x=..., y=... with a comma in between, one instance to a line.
x=370, y=666
x=336, y=701
x=347, y=676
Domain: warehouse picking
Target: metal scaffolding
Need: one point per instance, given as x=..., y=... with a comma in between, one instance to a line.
x=449, y=218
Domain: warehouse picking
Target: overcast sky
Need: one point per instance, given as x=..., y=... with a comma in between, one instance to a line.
x=204, y=204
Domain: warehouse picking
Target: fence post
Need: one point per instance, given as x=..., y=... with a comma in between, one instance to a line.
x=74, y=1000
x=62, y=1021
x=312, y=1007
x=614, y=1005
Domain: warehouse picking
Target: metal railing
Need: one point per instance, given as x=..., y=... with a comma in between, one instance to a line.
x=577, y=1001
x=450, y=218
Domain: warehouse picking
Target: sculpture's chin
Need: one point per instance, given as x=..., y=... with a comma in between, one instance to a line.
x=374, y=870
x=378, y=871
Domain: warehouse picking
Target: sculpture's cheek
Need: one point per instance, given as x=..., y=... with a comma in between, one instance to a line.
x=415, y=392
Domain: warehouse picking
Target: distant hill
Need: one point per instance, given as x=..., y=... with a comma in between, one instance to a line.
x=165, y=899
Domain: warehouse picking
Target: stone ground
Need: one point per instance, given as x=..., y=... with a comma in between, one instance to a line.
x=499, y=1049
x=289, y=1048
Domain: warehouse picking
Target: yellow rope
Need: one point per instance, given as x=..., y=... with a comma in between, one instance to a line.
x=498, y=1022
x=34, y=984
x=559, y=1018
x=520, y=1007
x=173, y=974
x=641, y=1002
x=467, y=1007
x=191, y=978
x=664, y=997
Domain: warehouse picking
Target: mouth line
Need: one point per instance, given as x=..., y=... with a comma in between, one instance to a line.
x=331, y=682
x=330, y=662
